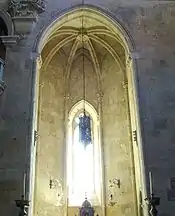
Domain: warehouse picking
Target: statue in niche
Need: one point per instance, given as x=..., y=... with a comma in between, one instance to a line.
x=86, y=209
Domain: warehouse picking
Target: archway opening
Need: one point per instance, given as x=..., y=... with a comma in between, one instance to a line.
x=84, y=157
x=109, y=89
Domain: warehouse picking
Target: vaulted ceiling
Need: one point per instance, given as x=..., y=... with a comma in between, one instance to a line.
x=97, y=41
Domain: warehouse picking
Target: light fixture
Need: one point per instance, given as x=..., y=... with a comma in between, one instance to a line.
x=56, y=184
x=84, y=119
x=113, y=184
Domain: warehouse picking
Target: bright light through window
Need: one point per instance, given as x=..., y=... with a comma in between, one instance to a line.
x=83, y=163
x=83, y=182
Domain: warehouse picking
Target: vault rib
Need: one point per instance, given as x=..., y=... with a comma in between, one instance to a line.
x=104, y=32
x=56, y=48
x=95, y=62
x=109, y=49
x=63, y=32
x=70, y=61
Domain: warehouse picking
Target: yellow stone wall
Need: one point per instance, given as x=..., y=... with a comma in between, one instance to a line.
x=116, y=140
x=50, y=149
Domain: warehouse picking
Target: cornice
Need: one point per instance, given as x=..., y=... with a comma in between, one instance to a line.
x=9, y=40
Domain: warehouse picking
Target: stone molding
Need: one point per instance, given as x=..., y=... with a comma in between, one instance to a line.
x=24, y=8
x=125, y=84
x=135, y=55
x=67, y=97
x=99, y=96
x=10, y=40
x=39, y=62
x=24, y=24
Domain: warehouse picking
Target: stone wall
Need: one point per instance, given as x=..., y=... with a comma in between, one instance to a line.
x=116, y=140
x=151, y=26
x=50, y=145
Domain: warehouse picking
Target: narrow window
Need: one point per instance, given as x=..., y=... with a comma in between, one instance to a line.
x=84, y=159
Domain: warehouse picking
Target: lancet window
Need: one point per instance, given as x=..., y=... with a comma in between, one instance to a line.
x=84, y=156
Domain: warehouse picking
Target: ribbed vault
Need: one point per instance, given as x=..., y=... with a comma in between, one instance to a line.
x=98, y=41
x=98, y=35
x=107, y=65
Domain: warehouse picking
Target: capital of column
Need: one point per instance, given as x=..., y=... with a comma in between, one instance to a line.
x=125, y=84
x=66, y=97
x=99, y=96
x=129, y=60
x=36, y=57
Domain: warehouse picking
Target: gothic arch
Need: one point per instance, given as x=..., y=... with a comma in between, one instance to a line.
x=114, y=22
x=78, y=106
x=74, y=112
x=119, y=33
x=8, y=21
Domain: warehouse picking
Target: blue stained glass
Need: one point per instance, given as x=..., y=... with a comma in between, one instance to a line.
x=85, y=130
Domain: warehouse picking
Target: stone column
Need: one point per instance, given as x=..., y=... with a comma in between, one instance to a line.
x=36, y=61
x=99, y=96
x=14, y=124
x=136, y=127
x=66, y=119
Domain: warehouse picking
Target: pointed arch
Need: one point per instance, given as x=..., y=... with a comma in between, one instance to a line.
x=123, y=36
x=8, y=21
x=79, y=106
x=91, y=11
x=84, y=165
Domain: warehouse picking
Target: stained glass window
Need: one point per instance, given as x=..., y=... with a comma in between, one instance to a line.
x=83, y=168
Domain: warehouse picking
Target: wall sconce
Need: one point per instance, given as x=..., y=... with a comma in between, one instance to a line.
x=113, y=184
x=55, y=184
x=112, y=202
x=2, y=87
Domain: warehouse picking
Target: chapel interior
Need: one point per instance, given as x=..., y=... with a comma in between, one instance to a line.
x=86, y=107
x=78, y=64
